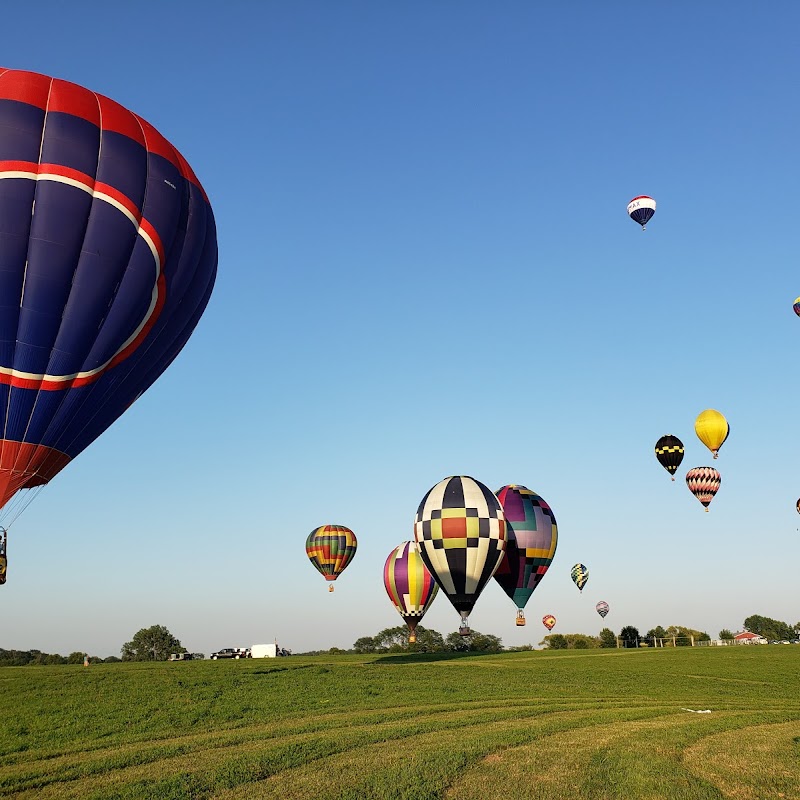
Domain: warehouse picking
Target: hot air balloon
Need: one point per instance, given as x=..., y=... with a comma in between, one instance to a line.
x=549, y=621
x=461, y=532
x=796, y=306
x=712, y=429
x=798, y=506
x=108, y=256
x=703, y=483
x=580, y=575
x=410, y=586
x=669, y=452
x=602, y=608
x=330, y=548
x=641, y=209
x=531, y=539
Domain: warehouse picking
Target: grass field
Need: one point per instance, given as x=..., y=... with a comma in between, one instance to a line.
x=566, y=724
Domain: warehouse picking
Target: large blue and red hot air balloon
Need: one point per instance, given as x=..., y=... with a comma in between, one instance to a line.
x=108, y=256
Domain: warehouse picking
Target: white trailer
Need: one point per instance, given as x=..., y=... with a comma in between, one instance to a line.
x=264, y=651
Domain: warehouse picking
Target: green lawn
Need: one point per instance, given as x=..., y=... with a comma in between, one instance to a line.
x=566, y=724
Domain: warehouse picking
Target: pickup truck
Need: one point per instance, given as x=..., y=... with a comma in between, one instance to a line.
x=231, y=652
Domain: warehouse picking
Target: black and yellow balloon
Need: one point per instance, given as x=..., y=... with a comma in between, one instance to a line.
x=712, y=429
x=669, y=452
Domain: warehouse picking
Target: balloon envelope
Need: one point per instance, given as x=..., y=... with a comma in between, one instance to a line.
x=108, y=256
x=461, y=532
x=532, y=537
x=712, y=429
x=602, y=608
x=796, y=306
x=330, y=548
x=580, y=575
x=703, y=483
x=669, y=452
x=641, y=209
x=549, y=621
x=409, y=584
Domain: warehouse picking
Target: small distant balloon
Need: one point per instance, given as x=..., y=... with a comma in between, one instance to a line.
x=580, y=575
x=641, y=209
x=602, y=608
x=549, y=621
x=798, y=506
x=669, y=452
x=796, y=306
x=330, y=548
x=712, y=429
x=703, y=483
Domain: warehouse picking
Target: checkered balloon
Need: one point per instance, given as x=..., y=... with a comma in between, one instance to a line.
x=461, y=532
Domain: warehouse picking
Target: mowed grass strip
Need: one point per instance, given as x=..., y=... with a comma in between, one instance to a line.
x=387, y=727
x=418, y=768
x=751, y=764
x=251, y=754
x=630, y=759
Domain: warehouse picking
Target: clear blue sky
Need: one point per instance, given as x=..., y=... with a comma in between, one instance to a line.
x=426, y=269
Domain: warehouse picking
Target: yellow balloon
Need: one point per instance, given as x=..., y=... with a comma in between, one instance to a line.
x=712, y=429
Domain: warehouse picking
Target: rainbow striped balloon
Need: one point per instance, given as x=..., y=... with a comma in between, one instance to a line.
x=410, y=586
x=330, y=548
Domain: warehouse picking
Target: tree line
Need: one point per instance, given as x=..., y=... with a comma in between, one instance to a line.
x=156, y=642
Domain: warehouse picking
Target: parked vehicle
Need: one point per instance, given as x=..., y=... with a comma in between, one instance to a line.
x=181, y=656
x=231, y=652
x=264, y=650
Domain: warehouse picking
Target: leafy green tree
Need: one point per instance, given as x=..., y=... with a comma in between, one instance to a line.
x=395, y=640
x=151, y=644
x=475, y=642
x=608, y=638
x=428, y=641
x=555, y=641
x=654, y=634
x=75, y=658
x=366, y=644
x=683, y=635
x=771, y=629
x=629, y=636
x=725, y=634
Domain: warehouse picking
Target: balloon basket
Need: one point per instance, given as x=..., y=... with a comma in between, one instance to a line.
x=464, y=630
x=412, y=638
x=520, y=619
x=330, y=588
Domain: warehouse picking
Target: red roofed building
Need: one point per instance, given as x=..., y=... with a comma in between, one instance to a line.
x=745, y=637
